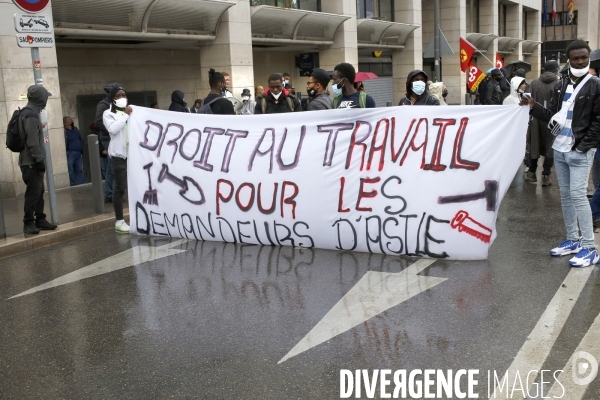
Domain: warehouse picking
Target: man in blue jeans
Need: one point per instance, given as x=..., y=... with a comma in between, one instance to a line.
x=74, y=147
x=574, y=118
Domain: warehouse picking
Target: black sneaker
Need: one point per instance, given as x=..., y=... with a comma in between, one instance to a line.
x=44, y=225
x=30, y=228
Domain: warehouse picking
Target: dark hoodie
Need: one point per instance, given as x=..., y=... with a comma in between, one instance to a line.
x=276, y=106
x=34, y=152
x=423, y=100
x=177, y=103
x=102, y=106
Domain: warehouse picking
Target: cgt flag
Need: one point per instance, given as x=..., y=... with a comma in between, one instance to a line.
x=466, y=53
x=475, y=76
x=499, y=62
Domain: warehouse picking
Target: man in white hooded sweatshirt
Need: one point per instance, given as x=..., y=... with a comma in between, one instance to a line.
x=517, y=88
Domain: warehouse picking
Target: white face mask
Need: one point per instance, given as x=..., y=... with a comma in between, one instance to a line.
x=285, y=82
x=578, y=73
x=276, y=96
x=121, y=103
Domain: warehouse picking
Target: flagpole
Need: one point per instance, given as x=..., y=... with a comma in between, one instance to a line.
x=494, y=64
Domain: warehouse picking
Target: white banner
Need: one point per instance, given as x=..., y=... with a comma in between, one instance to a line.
x=423, y=181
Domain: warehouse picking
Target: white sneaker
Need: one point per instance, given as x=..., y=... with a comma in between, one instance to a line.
x=121, y=227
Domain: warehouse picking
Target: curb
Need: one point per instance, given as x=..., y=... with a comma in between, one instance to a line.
x=21, y=243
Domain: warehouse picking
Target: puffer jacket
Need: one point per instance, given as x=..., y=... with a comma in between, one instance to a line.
x=586, y=112
x=493, y=95
x=423, y=100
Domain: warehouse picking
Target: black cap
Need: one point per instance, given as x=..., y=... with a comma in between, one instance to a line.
x=496, y=71
x=552, y=66
x=246, y=92
x=321, y=76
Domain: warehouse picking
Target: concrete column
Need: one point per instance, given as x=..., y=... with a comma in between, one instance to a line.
x=514, y=29
x=534, y=31
x=16, y=75
x=411, y=57
x=231, y=51
x=588, y=12
x=344, y=48
x=454, y=25
x=488, y=23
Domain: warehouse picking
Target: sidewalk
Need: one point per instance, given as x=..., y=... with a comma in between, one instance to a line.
x=76, y=218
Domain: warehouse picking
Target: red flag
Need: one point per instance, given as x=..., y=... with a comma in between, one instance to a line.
x=474, y=77
x=466, y=52
x=554, y=10
x=499, y=62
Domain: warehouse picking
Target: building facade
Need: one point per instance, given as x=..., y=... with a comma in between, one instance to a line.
x=154, y=47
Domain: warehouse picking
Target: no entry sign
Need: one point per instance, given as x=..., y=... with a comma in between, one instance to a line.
x=32, y=6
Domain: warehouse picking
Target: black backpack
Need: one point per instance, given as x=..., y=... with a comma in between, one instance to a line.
x=205, y=108
x=14, y=132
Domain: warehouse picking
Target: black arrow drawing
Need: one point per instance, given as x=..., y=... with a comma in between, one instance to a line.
x=490, y=194
x=186, y=183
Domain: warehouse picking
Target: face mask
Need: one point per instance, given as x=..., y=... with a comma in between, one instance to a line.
x=285, y=82
x=312, y=92
x=445, y=93
x=121, y=103
x=418, y=87
x=498, y=79
x=578, y=73
x=276, y=96
x=337, y=88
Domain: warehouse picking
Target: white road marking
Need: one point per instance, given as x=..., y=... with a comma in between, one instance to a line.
x=134, y=256
x=374, y=293
x=590, y=344
x=540, y=341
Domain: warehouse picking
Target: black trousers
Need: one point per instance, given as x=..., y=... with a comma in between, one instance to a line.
x=119, y=170
x=34, y=194
x=548, y=163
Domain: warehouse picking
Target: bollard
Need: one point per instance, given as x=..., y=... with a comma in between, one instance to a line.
x=2, y=226
x=388, y=103
x=468, y=99
x=94, y=151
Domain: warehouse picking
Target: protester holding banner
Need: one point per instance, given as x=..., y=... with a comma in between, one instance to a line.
x=437, y=91
x=576, y=125
x=316, y=87
x=276, y=99
x=116, y=122
x=346, y=96
x=539, y=139
x=416, y=90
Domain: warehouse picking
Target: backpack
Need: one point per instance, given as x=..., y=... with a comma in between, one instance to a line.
x=326, y=104
x=205, y=108
x=15, y=141
x=263, y=104
x=362, y=100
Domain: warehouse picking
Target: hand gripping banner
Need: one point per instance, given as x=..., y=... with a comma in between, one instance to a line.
x=417, y=181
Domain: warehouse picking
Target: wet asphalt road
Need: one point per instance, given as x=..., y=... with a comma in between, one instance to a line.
x=213, y=321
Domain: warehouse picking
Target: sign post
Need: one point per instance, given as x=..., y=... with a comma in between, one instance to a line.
x=35, y=31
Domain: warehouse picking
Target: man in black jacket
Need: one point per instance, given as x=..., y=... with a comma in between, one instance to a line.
x=316, y=87
x=104, y=138
x=32, y=160
x=574, y=116
x=177, y=102
x=494, y=95
x=276, y=99
x=416, y=90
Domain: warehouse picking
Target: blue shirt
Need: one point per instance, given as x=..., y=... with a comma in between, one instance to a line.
x=352, y=101
x=73, y=140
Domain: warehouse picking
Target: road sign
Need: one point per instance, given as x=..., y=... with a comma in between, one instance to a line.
x=445, y=49
x=32, y=23
x=30, y=40
x=32, y=6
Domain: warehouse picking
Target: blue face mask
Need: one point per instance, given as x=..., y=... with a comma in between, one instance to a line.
x=418, y=87
x=337, y=89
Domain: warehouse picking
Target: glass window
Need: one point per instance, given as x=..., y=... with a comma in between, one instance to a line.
x=310, y=5
x=377, y=9
x=386, y=10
